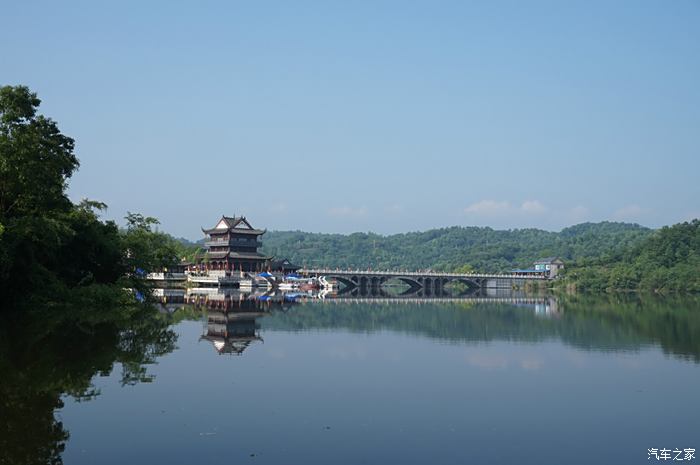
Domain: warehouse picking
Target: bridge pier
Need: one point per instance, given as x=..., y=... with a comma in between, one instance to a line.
x=504, y=283
x=439, y=285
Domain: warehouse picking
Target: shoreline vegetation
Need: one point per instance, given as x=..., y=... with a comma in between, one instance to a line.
x=668, y=261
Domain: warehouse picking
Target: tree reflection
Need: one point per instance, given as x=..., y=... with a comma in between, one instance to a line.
x=54, y=347
x=603, y=322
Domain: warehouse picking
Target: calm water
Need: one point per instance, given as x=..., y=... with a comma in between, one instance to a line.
x=573, y=380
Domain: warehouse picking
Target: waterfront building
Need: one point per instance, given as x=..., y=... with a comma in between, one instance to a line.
x=232, y=245
x=548, y=267
x=284, y=266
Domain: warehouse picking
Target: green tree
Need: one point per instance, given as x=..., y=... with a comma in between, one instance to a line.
x=464, y=269
x=145, y=249
x=46, y=242
x=36, y=160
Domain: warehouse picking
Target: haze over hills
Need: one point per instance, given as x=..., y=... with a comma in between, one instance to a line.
x=481, y=248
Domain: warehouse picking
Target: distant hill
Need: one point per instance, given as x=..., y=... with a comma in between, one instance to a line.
x=482, y=248
x=188, y=243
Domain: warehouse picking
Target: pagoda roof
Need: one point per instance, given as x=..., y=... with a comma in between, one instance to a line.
x=283, y=263
x=230, y=345
x=217, y=254
x=256, y=232
x=236, y=224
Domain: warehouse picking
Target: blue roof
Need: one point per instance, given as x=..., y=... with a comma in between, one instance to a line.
x=527, y=271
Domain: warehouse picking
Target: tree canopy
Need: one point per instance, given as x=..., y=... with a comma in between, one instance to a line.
x=36, y=159
x=457, y=248
x=46, y=241
x=666, y=261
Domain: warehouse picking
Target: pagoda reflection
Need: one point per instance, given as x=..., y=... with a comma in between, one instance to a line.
x=232, y=316
x=232, y=333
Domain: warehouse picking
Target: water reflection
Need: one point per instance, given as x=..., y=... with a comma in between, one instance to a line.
x=232, y=333
x=604, y=323
x=231, y=315
x=231, y=318
x=50, y=350
x=49, y=353
x=397, y=291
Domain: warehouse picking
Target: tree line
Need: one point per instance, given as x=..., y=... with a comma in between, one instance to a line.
x=666, y=261
x=455, y=248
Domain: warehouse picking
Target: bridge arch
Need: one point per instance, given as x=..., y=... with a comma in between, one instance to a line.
x=472, y=283
x=348, y=282
x=411, y=282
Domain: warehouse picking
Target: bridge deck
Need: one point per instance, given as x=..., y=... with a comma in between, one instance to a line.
x=416, y=274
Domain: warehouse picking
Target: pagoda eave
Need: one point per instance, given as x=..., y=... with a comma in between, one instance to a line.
x=256, y=232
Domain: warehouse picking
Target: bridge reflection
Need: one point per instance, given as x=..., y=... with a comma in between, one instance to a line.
x=262, y=301
x=422, y=292
x=542, y=305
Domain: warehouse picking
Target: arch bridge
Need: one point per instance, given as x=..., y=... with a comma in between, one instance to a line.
x=428, y=282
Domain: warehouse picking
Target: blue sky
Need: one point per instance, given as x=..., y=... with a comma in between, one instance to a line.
x=386, y=116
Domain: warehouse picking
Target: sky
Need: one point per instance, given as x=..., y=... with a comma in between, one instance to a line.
x=383, y=116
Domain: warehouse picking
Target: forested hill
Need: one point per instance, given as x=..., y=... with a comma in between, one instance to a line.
x=668, y=260
x=481, y=248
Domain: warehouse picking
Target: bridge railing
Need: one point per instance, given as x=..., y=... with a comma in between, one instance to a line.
x=324, y=271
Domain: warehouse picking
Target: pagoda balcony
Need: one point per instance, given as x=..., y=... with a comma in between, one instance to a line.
x=233, y=243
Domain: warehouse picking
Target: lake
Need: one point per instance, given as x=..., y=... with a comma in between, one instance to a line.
x=543, y=380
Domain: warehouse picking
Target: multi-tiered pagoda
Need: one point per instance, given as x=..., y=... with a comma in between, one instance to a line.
x=232, y=245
